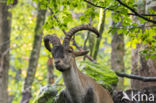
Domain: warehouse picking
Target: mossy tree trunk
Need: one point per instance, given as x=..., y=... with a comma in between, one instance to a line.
x=101, y=29
x=5, y=27
x=117, y=54
x=33, y=61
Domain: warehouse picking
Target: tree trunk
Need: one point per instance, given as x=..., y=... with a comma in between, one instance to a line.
x=143, y=67
x=135, y=65
x=50, y=71
x=135, y=56
x=117, y=55
x=5, y=27
x=33, y=61
x=101, y=29
x=90, y=37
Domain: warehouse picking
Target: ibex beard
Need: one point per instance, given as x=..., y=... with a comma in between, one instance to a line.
x=80, y=88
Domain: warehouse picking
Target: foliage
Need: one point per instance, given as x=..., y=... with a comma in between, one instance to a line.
x=70, y=13
x=21, y=38
x=101, y=74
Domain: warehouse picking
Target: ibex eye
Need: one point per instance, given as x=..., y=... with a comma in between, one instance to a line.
x=69, y=50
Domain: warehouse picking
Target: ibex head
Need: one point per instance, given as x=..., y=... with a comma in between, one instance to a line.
x=63, y=54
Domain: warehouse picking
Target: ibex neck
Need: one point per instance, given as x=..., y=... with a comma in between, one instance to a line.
x=73, y=84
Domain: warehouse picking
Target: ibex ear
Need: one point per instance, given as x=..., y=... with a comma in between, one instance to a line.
x=81, y=53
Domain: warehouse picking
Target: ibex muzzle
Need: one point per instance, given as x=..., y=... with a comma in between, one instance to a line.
x=79, y=87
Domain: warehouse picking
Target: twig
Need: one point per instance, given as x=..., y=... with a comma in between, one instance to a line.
x=116, y=11
x=136, y=13
x=143, y=14
x=98, y=5
x=137, y=77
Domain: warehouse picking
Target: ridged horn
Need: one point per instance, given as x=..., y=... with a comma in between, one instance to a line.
x=51, y=39
x=72, y=32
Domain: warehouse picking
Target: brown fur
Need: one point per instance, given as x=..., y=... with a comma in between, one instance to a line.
x=80, y=88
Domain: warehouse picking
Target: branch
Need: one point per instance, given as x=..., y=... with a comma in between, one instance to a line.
x=143, y=14
x=137, y=77
x=98, y=5
x=116, y=11
x=136, y=13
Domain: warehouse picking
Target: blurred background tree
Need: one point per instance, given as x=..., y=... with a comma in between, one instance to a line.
x=127, y=43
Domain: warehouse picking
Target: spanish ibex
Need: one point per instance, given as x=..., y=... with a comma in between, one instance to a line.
x=80, y=88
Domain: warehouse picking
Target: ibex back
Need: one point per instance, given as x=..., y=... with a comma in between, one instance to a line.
x=80, y=88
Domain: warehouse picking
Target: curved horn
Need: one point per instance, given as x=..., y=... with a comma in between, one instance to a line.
x=51, y=39
x=76, y=29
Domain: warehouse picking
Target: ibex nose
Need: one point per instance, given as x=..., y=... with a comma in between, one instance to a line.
x=57, y=62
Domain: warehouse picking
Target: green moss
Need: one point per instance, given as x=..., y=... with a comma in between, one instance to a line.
x=46, y=95
x=104, y=76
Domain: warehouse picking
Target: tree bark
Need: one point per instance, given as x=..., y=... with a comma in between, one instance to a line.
x=5, y=28
x=135, y=65
x=50, y=71
x=90, y=37
x=101, y=29
x=135, y=57
x=143, y=67
x=33, y=61
x=91, y=43
x=117, y=55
